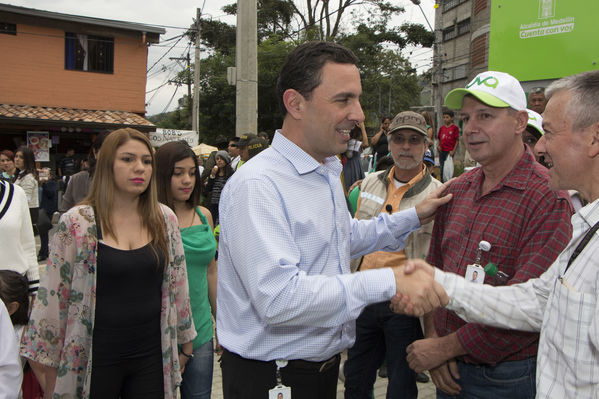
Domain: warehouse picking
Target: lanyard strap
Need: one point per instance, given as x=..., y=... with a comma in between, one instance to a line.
x=582, y=244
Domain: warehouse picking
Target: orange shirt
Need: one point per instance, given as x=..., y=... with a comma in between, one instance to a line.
x=380, y=259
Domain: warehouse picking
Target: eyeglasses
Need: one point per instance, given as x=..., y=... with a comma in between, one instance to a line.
x=412, y=140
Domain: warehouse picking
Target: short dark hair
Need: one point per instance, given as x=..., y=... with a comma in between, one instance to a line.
x=166, y=158
x=302, y=68
x=8, y=154
x=14, y=287
x=96, y=145
x=234, y=139
x=448, y=112
x=384, y=163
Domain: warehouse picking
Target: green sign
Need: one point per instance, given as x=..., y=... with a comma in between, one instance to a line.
x=544, y=39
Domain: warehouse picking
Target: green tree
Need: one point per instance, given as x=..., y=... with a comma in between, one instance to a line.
x=389, y=83
x=388, y=80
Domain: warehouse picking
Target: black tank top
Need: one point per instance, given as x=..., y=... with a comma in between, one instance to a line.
x=128, y=303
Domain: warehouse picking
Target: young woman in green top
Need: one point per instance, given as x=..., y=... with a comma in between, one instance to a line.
x=179, y=188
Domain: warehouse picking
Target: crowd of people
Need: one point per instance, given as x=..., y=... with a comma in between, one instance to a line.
x=487, y=281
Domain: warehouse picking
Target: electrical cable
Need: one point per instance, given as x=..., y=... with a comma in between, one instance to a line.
x=164, y=55
x=171, y=100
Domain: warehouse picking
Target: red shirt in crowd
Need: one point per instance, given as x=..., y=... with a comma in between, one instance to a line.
x=527, y=226
x=448, y=137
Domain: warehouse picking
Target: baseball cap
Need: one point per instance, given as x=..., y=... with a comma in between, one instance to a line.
x=428, y=157
x=244, y=139
x=256, y=145
x=497, y=89
x=535, y=120
x=408, y=120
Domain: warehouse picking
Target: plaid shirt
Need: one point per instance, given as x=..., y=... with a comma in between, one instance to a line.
x=527, y=225
x=562, y=304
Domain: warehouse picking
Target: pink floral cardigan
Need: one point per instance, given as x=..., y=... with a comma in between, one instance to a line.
x=59, y=333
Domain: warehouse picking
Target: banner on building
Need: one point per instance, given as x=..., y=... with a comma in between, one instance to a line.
x=543, y=39
x=161, y=136
x=39, y=143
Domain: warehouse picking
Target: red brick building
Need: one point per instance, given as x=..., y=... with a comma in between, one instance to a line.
x=70, y=76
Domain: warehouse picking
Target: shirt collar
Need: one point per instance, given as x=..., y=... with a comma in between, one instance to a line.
x=300, y=159
x=590, y=212
x=517, y=178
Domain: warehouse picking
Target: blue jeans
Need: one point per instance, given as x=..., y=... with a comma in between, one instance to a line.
x=442, y=158
x=381, y=332
x=197, y=378
x=513, y=380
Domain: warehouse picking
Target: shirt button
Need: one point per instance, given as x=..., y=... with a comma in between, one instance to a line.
x=467, y=231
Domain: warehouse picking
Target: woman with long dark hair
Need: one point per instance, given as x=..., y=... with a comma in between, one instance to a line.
x=219, y=175
x=113, y=306
x=27, y=179
x=179, y=188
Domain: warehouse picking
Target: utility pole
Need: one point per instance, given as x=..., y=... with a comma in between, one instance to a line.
x=437, y=76
x=195, y=121
x=247, y=68
x=187, y=60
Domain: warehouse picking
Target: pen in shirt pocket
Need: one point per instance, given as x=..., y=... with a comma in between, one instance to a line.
x=562, y=280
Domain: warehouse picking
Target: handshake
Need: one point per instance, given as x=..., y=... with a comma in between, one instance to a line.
x=417, y=291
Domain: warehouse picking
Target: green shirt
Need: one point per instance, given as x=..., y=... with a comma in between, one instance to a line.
x=199, y=246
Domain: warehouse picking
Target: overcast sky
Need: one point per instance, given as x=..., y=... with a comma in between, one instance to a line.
x=176, y=14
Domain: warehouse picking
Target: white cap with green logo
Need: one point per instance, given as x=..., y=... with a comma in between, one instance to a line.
x=535, y=120
x=497, y=89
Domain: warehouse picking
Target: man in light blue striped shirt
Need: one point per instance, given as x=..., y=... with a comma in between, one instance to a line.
x=284, y=287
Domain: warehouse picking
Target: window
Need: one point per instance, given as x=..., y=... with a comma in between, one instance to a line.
x=449, y=4
x=449, y=33
x=464, y=27
x=89, y=53
x=479, y=51
x=8, y=29
x=455, y=73
x=479, y=5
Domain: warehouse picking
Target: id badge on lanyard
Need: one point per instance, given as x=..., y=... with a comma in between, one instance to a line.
x=280, y=391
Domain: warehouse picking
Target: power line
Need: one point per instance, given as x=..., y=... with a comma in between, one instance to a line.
x=157, y=88
x=171, y=100
x=164, y=55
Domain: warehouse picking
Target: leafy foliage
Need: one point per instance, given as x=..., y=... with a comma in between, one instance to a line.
x=389, y=82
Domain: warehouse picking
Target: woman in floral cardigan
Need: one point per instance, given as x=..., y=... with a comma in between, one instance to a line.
x=114, y=304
